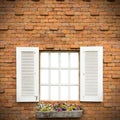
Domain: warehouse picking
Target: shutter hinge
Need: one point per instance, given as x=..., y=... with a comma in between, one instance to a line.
x=36, y=97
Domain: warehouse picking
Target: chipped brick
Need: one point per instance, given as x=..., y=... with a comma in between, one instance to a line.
x=9, y=105
x=104, y=28
x=29, y=27
x=2, y=91
x=87, y=0
x=79, y=28
x=94, y=13
x=19, y=12
x=75, y=47
x=116, y=76
x=60, y=35
x=36, y=0
x=111, y=0
x=50, y=46
x=69, y=13
x=10, y=0
x=4, y=27
x=2, y=46
x=54, y=28
x=108, y=104
x=60, y=0
x=117, y=13
x=43, y=13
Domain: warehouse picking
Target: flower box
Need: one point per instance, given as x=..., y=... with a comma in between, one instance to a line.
x=58, y=110
x=61, y=114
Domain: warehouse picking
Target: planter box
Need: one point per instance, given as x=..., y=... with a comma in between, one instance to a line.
x=65, y=114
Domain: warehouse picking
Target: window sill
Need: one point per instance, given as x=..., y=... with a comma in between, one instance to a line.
x=65, y=114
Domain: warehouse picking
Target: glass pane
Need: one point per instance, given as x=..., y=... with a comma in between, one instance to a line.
x=64, y=77
x=74, y=93
x=44, y=76
x=54, y=76
x=54, y=93
x=74, y=60
x=64, y=60
x=74, y=77
x=44, y=94
x=64, y=93
x=44, y=62
x=54, y=60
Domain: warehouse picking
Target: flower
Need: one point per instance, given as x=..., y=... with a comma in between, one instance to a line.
x=59, y=106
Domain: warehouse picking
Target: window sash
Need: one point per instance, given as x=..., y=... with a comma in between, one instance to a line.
x=60, y=69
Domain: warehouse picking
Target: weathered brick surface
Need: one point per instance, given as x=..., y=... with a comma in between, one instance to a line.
x=60, y=25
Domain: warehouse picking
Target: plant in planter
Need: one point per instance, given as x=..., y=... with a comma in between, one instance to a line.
x=58, y=110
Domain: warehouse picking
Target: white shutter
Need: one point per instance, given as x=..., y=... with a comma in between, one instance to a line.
x=27, y=61
x=91, y=74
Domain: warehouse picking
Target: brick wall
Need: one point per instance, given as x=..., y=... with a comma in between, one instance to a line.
x=60, y=25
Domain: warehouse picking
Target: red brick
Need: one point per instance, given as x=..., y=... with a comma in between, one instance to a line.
x=19, y=12
x=69, y=13
x=3, y=27
x=104, y=28
x=53, y=28
x=2, y=91
x=49, y=46
x=9, y=105
x=79, y=28
x=60, y=25
x=29, y=27
x=43, y=13
x=117, y=13
x=36, y=0
x=2, y=46
x=94, y=12
x=10, y=0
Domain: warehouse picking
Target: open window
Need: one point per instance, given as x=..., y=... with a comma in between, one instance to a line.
x=64, y=75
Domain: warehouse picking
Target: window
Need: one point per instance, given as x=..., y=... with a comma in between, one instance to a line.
x=59, y=76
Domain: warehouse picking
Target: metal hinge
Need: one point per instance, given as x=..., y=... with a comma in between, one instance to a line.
x=36, y=97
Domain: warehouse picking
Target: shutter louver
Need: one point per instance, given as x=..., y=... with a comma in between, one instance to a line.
x=91, y=74
x=27, y=74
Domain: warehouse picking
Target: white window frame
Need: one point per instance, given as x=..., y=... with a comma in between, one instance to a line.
x=60, y=85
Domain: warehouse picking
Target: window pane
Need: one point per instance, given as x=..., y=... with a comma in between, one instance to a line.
x=64, y=93
x=64, y=60
x=44, y=76
x=64, y=77
x=58, y=70
x=74, y=60
x=54, y=76
x=44, y=93
x=74, y=93
x=74, y=77
x=44, y=62
x=54, y=93
x=54, y=60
